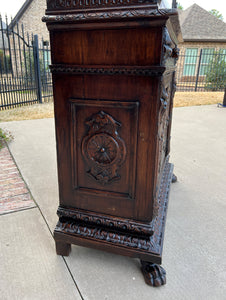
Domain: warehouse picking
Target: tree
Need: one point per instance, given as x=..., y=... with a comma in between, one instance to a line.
x=216, y=72
x=216, y=13
x=179, y=6
x=5, y=63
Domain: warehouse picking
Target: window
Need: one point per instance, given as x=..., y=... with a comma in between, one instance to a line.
x=223, y=54
x=191, y=55
x=206, y=57
x=47, y=59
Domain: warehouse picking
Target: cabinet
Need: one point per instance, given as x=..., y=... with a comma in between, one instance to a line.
x=113, y=68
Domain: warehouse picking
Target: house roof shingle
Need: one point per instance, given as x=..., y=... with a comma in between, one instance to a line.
x=197, y=24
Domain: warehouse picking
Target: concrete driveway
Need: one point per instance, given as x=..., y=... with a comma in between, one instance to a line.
x=194, y=254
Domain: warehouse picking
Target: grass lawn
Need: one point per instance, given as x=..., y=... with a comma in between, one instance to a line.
x=45, y=110
x=197, y=98
x=28, y=112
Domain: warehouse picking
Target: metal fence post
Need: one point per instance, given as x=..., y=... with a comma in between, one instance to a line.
x=37, y=68
x=198, y=70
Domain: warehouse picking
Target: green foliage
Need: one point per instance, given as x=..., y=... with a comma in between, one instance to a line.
x=5, y=136
x=179, y=6
x=216, y=13
x=216, y=72
x=29, y=67
x=5, y=63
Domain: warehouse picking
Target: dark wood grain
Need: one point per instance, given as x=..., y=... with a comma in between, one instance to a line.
x=98, y=46
x=62, y=248
x=113, y=67
x=154, y=275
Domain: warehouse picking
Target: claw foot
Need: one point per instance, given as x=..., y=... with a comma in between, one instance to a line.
x=154, y=274
x=174, y=178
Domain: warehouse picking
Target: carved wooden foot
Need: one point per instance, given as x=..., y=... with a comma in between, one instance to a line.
x=154, y=274
x=63, y=248
x=174, y=178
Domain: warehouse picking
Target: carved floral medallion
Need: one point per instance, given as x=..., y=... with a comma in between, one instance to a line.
x=103, y=149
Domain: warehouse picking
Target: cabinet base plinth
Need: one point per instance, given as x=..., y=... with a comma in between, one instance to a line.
x=62, y=248
x=148, y=248
x=154, y=274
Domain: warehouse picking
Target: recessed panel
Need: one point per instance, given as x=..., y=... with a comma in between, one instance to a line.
x=104, y=143
x=98, y=47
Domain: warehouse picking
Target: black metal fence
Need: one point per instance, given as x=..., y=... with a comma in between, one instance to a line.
x=25, y=77
x=201, y=70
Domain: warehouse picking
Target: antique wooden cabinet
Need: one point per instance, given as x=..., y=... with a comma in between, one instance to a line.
x=113, y=67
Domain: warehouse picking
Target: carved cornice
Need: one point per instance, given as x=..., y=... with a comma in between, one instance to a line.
x=78, y=4
x=80, y=226
x=108, y=15
x=120, y=70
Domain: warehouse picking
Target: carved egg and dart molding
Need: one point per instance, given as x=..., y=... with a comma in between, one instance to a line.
x=103, y=149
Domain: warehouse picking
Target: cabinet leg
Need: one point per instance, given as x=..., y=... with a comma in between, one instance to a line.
x=154, y=274
x=174, y=178
x=63, y=248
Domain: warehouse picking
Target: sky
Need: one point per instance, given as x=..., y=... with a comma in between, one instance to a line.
x=220, y=5
x=11, y=7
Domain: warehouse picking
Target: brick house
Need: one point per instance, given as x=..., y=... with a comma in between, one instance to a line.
x=202, y=34
x=28, y=21
x=30, y=15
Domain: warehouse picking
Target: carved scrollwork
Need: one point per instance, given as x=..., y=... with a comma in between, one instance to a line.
x=123, y=238
x=175, y=53
x=164, y=97
x=70, y=4
x=113, y=223
x=103, y=149
x=132, y=13
x=170, y=50
x=163, y=125
x=167, y=45
x=174, y=87
x=132, y=71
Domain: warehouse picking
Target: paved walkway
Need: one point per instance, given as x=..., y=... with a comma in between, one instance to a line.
x=14, y=194
x=194, y=247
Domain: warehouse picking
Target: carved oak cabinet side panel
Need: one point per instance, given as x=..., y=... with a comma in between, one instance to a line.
x=113, y=67
x=103, y=148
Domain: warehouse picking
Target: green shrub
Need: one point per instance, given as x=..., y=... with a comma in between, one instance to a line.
x=216, y=72
x=5, y=63
x=5, y=136
x=29, y=68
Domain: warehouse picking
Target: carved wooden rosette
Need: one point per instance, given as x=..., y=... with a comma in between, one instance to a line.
x=103, y=149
